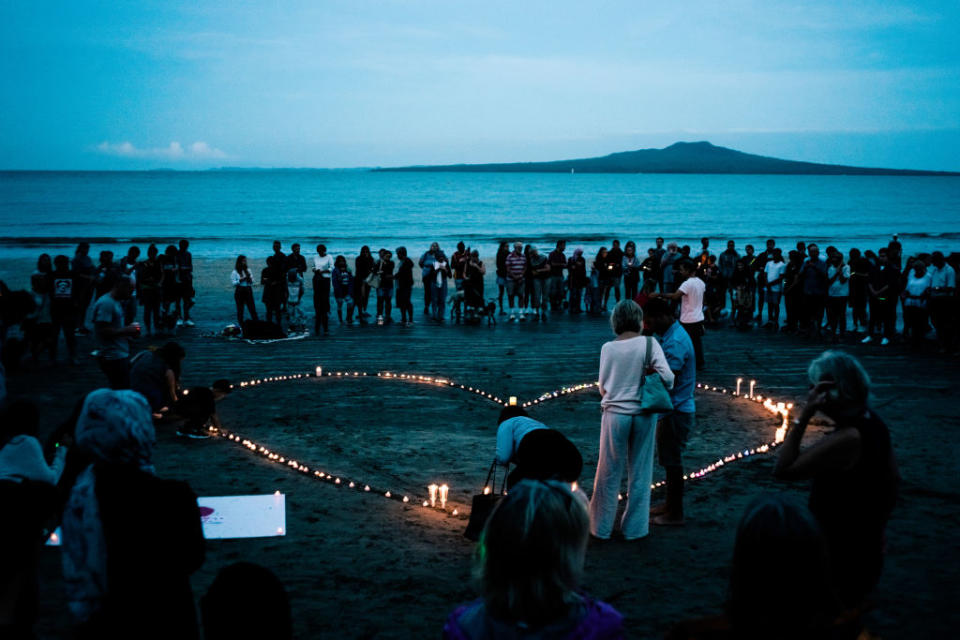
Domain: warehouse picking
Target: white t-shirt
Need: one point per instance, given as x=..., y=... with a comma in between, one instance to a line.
x=838, y=290
x=691, y=305
x=621, y=367
x=774, y=271
x=324, y=265
x=915, y=288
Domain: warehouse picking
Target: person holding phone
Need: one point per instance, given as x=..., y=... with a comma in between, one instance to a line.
x=853, y=472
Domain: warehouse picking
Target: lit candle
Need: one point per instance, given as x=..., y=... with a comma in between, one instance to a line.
x=444, y=489
x=513, y=401
x=319, y=371
x=486, y=491
x=753, y=383
x=433, y=494
x=739, y=382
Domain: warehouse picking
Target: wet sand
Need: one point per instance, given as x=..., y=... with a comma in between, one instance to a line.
x=359, y=565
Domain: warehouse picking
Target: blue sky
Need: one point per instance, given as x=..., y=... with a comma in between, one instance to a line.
x=126, y=85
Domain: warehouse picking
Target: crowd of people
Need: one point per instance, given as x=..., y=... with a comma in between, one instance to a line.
x=828, y=295
x=825, y=295
x=533, y=547
x=94, y=477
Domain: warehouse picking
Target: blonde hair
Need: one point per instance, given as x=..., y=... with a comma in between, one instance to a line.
x=530, y=557
x=852, y=383
x=626, y=316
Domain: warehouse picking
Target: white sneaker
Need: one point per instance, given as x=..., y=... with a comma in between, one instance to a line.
x=189, y=323
x=868, y=340
x=513, y=317
x=179, y=322
x=884, y=342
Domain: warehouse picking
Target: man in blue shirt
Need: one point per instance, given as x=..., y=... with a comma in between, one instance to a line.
x=674, y=428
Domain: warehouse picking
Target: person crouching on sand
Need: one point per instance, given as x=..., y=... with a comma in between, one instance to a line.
x=529, y=562
x=539, y=452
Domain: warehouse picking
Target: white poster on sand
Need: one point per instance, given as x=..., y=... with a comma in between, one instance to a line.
x=234, y=517
x=244, y=516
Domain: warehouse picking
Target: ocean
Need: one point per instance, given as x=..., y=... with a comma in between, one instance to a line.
x=224, y=213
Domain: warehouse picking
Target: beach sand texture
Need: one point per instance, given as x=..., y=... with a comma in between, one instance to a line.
x=358, y=565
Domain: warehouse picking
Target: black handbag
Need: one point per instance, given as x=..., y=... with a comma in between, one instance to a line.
x=483, y=503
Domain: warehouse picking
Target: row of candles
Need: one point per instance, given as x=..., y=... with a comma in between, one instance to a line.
x=437, y=493
x=440, y=493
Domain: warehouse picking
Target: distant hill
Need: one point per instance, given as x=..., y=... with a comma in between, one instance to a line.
x=681, y=157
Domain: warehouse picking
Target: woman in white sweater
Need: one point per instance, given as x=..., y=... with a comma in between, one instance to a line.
x=626, y=435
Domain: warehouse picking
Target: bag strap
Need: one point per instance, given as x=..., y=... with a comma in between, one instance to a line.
x=491, y=474
x=647, y=358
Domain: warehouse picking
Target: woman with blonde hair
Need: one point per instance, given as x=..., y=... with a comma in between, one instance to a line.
x=528, y=565
x=626, y=433
x=853, y=472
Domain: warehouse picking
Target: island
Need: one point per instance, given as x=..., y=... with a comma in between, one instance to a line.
x=681, y=157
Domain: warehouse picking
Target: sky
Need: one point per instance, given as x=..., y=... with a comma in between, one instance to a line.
x=330, y=83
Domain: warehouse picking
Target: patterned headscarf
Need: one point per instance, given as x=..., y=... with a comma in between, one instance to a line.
x=114, y=427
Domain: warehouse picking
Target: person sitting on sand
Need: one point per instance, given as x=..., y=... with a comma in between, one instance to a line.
x=539, y=452
x=853, y=470
x=795, y=602
x=529, y=562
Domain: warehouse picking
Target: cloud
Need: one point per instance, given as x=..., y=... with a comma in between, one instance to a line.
x=197, y=152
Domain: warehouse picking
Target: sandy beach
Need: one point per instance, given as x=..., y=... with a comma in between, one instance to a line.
x=359, y=565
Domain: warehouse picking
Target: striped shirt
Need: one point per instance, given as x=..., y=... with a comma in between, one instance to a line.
x=515, y=265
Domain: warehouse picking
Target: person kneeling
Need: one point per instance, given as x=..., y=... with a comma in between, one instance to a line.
x=539, y=452
x=197, y=406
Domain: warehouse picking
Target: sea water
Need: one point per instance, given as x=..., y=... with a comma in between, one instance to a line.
x=224, y=213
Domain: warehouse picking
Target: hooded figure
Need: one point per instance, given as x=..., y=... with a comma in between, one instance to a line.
x=130, y=539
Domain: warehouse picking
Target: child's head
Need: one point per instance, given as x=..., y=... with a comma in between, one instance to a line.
x=531, y=553
x=798, y=595
x=245, y=587
x=340, y=262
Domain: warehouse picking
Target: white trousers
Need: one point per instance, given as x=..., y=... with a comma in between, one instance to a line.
x=625, y=441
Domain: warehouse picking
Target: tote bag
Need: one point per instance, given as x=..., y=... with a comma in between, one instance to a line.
x=654, y=397
x=483, y=503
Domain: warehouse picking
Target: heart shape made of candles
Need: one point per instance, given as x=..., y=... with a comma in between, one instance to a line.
x=779, y=409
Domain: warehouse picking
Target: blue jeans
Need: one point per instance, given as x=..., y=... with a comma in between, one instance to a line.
x=438, y=298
